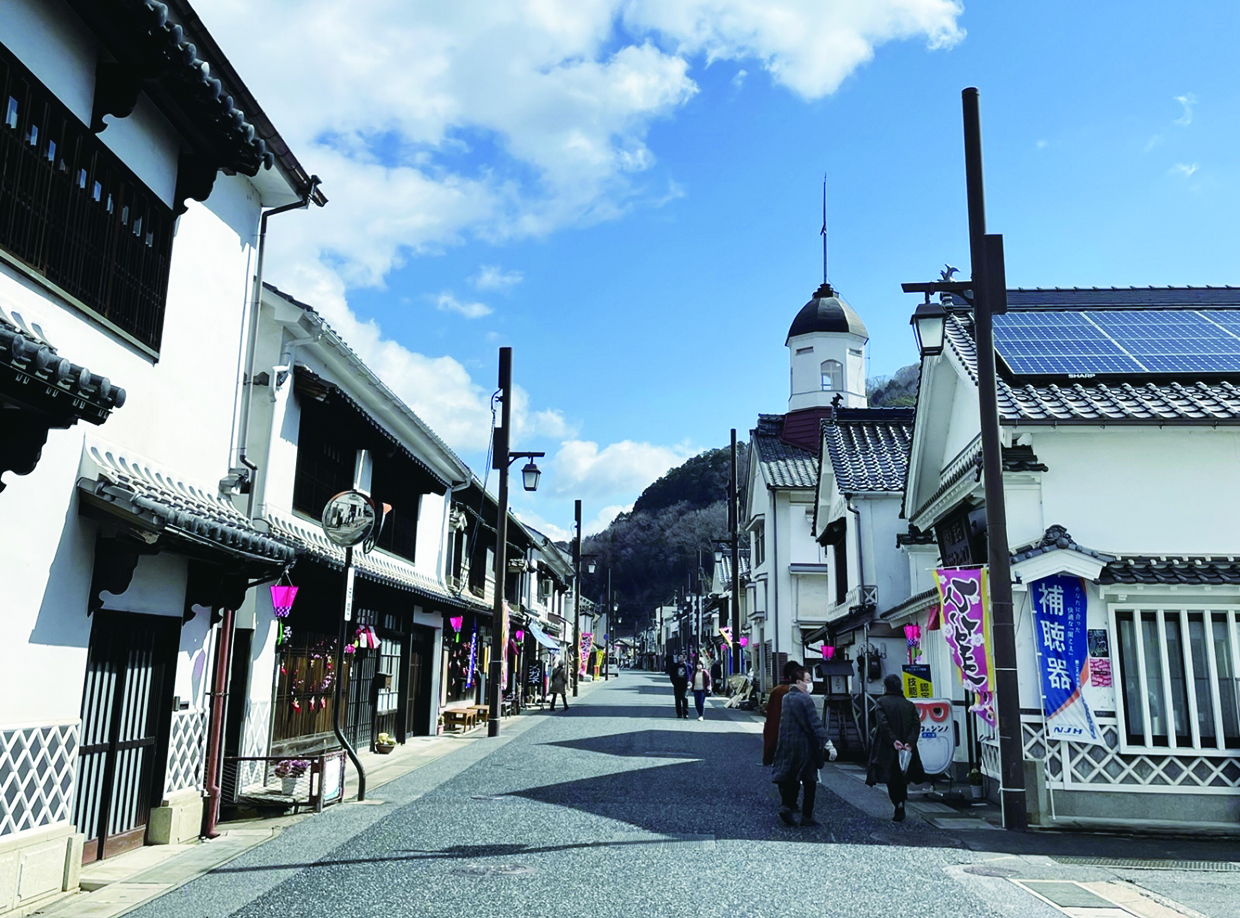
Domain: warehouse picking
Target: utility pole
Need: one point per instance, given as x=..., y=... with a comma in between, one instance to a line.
x=577, y=599
x=990, y=297
x=734, y=512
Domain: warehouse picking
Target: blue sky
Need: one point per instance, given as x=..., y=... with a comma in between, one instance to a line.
x=628, y=192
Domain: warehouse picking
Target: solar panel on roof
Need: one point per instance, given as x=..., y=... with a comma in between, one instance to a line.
x=1119, y=341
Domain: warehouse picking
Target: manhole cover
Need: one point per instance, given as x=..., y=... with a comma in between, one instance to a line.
x=990, y=871
x=493, y=870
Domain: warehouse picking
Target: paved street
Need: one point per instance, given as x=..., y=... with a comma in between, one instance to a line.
x=616, y=808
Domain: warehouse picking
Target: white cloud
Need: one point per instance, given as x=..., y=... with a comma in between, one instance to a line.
x=739, y=79
x=603, y=519
x=1184, y=169
x=1188, y=100
x=490, y=277
x=436, y=123
x=431, y=122
x=446, y=302
x=583, y=470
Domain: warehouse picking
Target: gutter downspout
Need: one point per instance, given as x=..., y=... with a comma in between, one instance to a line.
x=865, y=634
x=245, y=467
x=775, y=570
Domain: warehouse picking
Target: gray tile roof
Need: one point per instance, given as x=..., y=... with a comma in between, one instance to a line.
x=1156, y=403
x=1181, y=569
x=869, y=448
x=783, y=465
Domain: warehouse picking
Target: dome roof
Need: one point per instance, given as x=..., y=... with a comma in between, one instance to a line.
x=827, y=312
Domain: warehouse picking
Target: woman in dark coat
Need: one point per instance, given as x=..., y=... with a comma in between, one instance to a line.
x=559, y=685
x=897, y=727
x=799, y=750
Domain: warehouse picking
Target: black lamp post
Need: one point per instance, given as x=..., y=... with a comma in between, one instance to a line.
x=501, y=460
x=577, y=597
x=987, y=293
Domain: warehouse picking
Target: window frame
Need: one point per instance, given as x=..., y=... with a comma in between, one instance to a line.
x=1178, y=612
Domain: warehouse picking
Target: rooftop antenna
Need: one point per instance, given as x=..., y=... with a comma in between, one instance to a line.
x=823, y=231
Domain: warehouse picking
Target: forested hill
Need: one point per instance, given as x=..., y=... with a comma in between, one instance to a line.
x=658, y=546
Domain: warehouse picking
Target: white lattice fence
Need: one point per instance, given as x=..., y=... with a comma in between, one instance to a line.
x=185, y=751
x=38, y=766
x=255, y=742
x=1080, y=766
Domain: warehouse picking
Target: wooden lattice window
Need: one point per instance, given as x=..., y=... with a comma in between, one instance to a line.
x=326, y=459
x=1177, y=684
x=72, y=212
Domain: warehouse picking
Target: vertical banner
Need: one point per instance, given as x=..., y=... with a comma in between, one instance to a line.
x=473, y=657
x=1059, y=605
x=503, y=659
x=726, y=633
x=583, y=654
x=966, y=628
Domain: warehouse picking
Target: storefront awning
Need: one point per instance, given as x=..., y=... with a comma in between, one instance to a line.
x=541, y=637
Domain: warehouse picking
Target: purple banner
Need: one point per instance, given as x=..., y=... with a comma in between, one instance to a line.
x=966, y=629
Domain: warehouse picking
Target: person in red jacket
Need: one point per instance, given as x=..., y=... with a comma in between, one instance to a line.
x=774, y=704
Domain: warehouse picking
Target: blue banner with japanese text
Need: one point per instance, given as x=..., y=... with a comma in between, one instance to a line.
x=1059, y=605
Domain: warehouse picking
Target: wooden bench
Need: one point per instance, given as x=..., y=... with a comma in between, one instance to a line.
x=465, y=718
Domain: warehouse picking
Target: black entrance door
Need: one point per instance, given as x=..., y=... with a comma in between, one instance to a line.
x=418, y=694
x=126, y=714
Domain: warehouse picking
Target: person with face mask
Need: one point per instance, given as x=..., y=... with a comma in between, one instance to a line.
x=800, y=750
x=701, y=688
x=897, y=728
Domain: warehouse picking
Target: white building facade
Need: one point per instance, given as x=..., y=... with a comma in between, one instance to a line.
x=122, y=302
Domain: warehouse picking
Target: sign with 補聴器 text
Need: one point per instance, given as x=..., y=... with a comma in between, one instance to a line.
x=1059, y=605
x=966, y=627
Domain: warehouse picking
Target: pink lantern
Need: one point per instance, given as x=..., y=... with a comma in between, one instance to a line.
x=827, y=651
x=520, y=635
x=457, y=621
x=744, y=642
x=912, y=634
x=282, y=596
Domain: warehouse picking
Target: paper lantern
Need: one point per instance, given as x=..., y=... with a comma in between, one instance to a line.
x=520, y=635
x=457, y=621
x=282, y=596
x=827, y=651
x=744, y=641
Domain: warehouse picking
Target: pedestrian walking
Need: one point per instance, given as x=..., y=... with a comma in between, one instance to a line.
x=559, y=685
x=701, y=688
x=800, y=750
x=894, y=760
x=774, y=706
x=678, y=672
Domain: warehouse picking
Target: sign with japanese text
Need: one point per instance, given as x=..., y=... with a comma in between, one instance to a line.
x=936, y=744
x=1059, y=628
x=917, y=682
x=583, y=657
x=966, y=628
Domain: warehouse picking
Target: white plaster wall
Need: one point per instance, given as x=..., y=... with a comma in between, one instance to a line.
x=1173, y=490
x=965, y=424
x=148, y=145
x=432, y=534
x=885, y=564
x=58, y=49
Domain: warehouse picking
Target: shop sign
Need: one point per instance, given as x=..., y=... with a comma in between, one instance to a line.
x=917, y=682
x=936, y=745
x=1059, y=605
x=583, y=657
x=966, y=628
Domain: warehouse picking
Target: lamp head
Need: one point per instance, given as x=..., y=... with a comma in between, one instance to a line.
x=929, y=323
x=529, y=476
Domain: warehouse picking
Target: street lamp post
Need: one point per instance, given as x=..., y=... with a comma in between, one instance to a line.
x=988, y=292
x=501, y=460
x=577, y=598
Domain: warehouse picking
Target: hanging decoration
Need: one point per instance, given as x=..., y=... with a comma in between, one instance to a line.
x=282, y=595
x=827, y=651
x=457, y=621
x=365, y=638
x=744, y=641
x=519, y=635
x=912, y=636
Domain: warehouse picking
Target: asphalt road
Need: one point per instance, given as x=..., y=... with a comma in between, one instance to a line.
x=615, y=808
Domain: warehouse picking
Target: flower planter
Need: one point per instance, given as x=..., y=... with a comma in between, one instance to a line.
x=289, y=786
x=384, y=748
x=976, y=790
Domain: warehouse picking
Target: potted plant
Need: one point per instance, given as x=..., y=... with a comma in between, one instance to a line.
x=288, y=771
x=439, y=725
x=384, y=743
x=975, y=783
